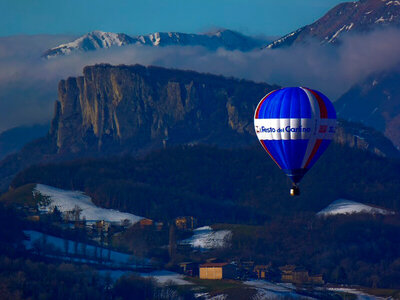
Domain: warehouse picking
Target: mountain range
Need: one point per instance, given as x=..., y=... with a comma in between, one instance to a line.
x=94, y=40
x=357, y=16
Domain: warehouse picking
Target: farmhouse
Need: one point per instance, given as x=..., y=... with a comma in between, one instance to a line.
x=217, y=271
x=145, y=222
x=297, y=275
x=261, y=271
x=184, y=223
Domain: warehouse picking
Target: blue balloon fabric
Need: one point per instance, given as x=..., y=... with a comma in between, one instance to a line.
x=295, y=126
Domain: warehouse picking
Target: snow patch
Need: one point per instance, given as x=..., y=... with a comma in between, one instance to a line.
x=206, y=238
x=359, y=294
x=283, y=39
x=349, y=27
x=166, y=277
x=270, y=290
x=343, y=206
x=66, y=200
x=396, y=3
x=333, y=38
x=374, y=111
x=380, y=20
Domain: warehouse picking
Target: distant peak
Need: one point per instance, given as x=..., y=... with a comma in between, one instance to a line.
x=219, y=32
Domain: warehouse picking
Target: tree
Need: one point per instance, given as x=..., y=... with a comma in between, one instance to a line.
x=172, y=243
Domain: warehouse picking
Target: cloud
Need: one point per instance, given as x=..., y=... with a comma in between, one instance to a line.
x=28, y=83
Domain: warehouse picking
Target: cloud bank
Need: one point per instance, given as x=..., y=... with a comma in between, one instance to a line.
x=28, y=83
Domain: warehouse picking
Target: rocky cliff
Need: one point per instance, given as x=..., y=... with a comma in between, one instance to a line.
x=111, y=108
x=114, y=109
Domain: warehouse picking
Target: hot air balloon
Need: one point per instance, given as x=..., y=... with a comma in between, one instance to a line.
x=295, y=126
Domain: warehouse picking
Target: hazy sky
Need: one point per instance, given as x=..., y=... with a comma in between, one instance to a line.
x=264, y=17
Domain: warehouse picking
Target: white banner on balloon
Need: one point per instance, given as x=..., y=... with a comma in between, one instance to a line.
x=294, y=129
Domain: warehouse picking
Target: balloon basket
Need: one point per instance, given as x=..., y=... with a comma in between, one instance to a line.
x=294, y=191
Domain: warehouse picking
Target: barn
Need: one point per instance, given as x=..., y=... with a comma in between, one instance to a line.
x=217, y=271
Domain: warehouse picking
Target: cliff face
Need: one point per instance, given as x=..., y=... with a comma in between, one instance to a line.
x=356, y=135
x=117, y=109
x=132, y=107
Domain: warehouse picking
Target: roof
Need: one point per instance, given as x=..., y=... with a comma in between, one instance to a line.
x=213, y=265
x=287, y=268
x=258, y=267
x=188, y=263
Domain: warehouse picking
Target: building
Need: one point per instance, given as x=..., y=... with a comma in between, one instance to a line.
x=217, y=271
x=145, y=222
x=34, y=218
x=261, y=271
x=298, y=275
x=287, y=273
x=102, y=226
x=190, y=268
x=317, y=279
x=188, y=222
x=247, y=265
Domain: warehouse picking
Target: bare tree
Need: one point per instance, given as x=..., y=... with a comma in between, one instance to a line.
x=172, y=243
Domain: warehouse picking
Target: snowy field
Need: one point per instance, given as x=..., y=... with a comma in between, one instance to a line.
x=166, y=278
x=343, y=206
x=205, y=238
x=66, y=200
x=65, y=249
x=359, y=295
x=269, y=290
x=161, y=277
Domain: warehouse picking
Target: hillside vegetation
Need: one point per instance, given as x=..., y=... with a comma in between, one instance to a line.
x=214, y=185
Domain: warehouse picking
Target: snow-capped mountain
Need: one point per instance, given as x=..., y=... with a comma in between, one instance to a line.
x=343, y=206
x=91, y=41
x=360, y=16
x=94, y=40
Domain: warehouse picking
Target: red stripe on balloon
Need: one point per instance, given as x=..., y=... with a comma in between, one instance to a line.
x=261, y=102
x=322, y=107
x=266, y=149
x=313, y=152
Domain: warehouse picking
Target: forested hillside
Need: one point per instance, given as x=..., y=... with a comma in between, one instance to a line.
x=241, y=185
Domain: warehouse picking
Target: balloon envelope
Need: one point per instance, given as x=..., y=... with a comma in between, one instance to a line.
x=295, y=126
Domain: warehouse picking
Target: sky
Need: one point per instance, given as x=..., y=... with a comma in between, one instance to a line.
x=255, y=17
